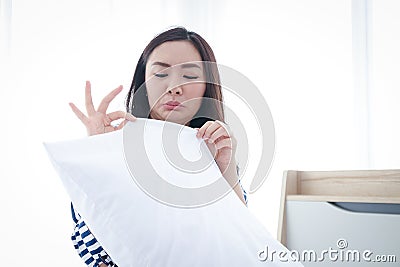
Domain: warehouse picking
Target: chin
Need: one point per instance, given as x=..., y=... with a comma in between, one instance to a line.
x=177, y=119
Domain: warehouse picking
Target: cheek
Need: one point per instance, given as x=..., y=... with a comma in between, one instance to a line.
x=195, y=91
x=154, y=92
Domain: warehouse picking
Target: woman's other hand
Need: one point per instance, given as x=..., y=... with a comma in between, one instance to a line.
x=221, y=143
x=98, y=122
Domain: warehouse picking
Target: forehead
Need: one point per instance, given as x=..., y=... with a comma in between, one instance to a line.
x=174, y=52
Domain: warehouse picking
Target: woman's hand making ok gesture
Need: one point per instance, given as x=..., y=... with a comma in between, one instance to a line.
x=98, y=121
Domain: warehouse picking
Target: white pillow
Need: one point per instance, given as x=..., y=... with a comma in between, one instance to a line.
x=136, y=226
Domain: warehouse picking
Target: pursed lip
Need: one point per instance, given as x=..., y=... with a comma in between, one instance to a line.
x=173, y=103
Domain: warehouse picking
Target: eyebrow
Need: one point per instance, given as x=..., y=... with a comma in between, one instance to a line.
x=183, y=66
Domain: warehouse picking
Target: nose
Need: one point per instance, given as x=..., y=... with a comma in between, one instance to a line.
x=175, y=91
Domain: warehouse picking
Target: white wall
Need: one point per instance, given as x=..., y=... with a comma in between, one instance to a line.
x=299, y=53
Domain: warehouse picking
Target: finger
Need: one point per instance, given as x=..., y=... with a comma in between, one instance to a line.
x=203, y=128
x=211, y=129
x=109, y=128
x=120, y=115
x=88, y=99
x=223, y=124
x=78, y=113
x=108, y=98
x=121, y=125
x=130, y=117
x=224, y=143
x=220, y=132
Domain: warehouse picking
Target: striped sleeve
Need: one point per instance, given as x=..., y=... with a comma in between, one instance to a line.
x=244, y=191
x=86, y=245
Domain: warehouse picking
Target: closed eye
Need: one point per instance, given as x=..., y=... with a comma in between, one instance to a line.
x=190, y=77
x=161, y=75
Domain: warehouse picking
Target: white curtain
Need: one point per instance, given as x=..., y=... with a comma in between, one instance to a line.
x=299, y=54
x=385, y=85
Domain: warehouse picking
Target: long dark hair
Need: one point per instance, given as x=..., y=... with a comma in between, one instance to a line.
x=137, y=102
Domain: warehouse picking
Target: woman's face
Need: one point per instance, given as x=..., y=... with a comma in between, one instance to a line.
x=174, y=82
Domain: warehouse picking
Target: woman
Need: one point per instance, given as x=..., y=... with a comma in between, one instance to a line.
x=165, y=96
